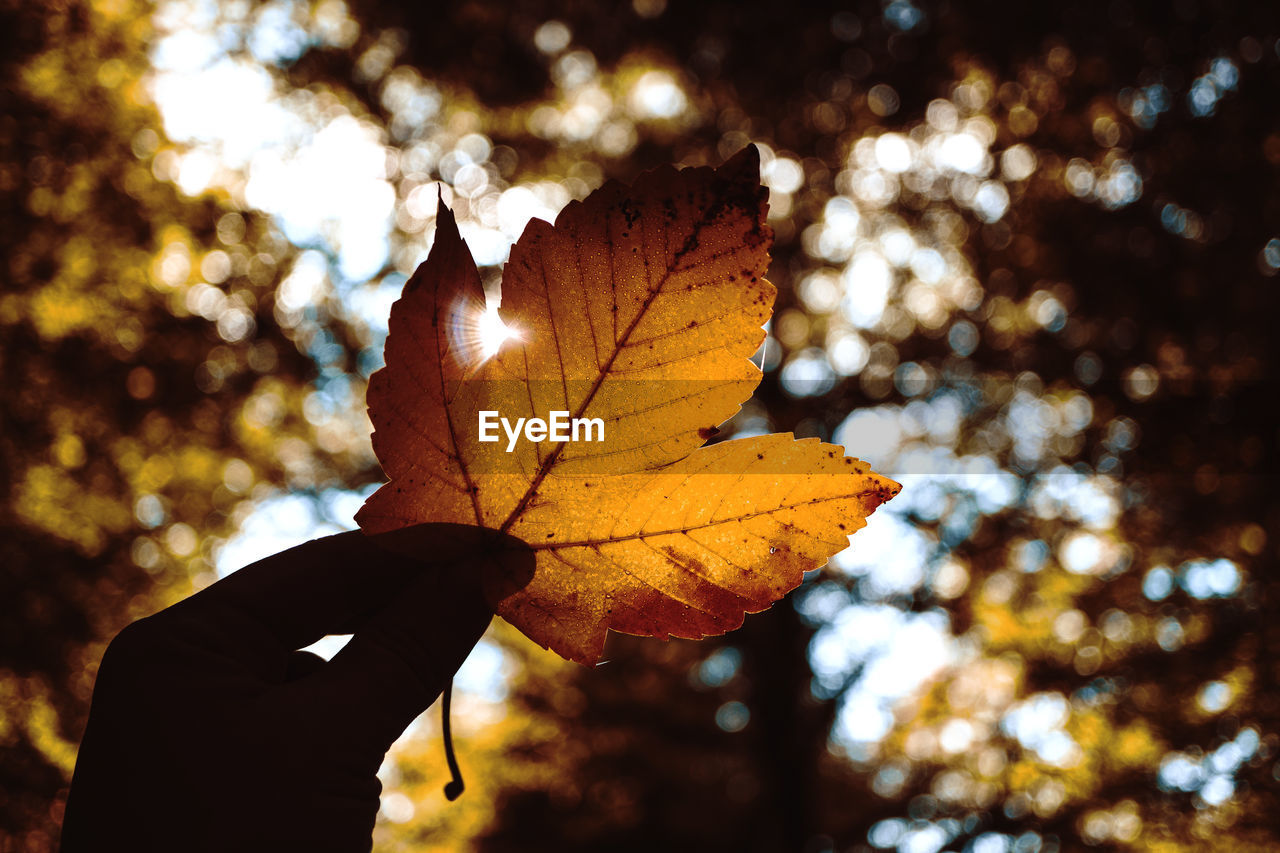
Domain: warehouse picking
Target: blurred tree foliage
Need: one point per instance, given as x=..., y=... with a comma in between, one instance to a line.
x=133, y=429
x=1077, y=338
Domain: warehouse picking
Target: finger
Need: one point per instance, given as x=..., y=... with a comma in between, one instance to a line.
x=302, y=664
x=398, y=663
x=327, y=586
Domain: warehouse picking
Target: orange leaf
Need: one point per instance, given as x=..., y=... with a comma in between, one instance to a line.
x=633, y=318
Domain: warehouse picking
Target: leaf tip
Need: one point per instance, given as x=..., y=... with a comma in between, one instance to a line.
x=886, y=490
x=446, y=223
x=746, y=163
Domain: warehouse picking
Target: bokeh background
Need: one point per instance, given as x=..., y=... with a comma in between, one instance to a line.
x=1027, y=263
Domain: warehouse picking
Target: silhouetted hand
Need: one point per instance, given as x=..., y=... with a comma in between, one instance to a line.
x=208, y=731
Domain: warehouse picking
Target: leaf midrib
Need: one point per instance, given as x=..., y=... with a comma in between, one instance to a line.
x=619, y=345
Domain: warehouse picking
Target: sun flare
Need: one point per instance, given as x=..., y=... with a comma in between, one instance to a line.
x=477, y=333
x=492, y=332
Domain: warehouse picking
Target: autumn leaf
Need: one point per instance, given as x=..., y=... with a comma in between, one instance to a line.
x=633, y=317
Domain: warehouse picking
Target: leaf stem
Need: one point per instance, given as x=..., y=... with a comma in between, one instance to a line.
x=454, y=788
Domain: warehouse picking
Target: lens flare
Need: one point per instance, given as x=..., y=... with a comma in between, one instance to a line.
x=477, y=333
x=492, y=332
